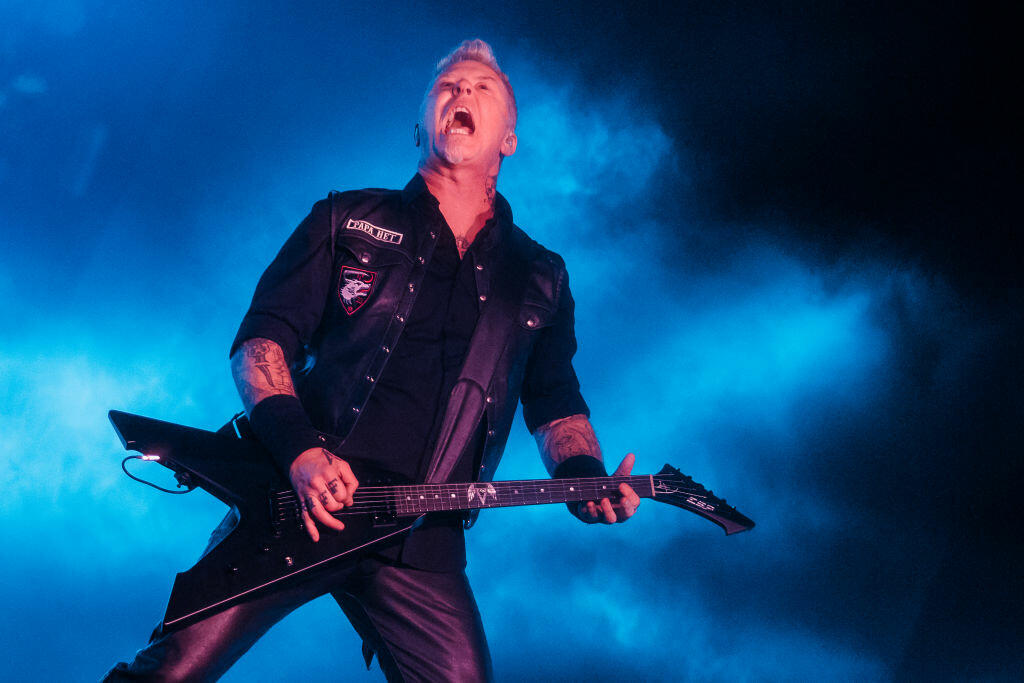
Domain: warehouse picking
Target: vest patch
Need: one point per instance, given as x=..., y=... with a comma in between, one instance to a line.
x=355, y=287
x=380, y=234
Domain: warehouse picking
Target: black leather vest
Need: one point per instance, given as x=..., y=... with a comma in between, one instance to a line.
x=514, y=275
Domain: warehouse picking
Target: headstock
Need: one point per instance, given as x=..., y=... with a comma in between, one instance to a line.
x=673, y=487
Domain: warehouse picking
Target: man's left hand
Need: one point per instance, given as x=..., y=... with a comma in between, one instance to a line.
x=607, y=512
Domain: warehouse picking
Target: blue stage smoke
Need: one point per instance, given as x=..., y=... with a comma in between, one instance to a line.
x=164, y=156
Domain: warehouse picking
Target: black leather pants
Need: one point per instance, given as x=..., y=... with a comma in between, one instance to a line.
x=423, y=626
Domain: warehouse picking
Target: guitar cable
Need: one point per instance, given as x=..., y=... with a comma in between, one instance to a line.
x=182, y=479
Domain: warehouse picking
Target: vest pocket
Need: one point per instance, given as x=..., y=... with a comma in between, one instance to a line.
x=533, y=316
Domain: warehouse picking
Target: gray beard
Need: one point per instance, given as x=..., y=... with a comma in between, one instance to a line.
x=453, y=156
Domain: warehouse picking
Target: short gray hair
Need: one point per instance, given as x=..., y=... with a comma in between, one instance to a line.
x=477, y=51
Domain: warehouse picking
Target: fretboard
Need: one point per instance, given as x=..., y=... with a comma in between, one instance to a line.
x=417, y=499
x=420, y=498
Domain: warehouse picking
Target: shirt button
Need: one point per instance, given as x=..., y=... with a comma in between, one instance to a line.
x=399, y=318
x=489, y=399
x=433, y=235
x=490, y=433
x=370, y=379
x=483, y=297
x=532, y=322
x=479, y=266
x=365, y=258
x=355, y=409
x=412, y=287
x=385, y=349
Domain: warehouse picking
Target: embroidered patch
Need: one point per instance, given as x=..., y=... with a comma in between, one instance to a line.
x=355, y=288
x=389, y=236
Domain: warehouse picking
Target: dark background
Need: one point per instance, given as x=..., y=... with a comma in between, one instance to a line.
x=789, y=231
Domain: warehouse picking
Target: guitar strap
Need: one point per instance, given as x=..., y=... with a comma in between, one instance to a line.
x=494, y=330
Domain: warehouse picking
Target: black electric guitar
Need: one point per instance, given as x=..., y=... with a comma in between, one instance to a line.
x=269, y=547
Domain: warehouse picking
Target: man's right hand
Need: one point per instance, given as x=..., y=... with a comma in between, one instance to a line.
x=325, y=484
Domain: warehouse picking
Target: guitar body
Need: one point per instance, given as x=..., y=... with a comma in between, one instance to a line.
x=268, y=547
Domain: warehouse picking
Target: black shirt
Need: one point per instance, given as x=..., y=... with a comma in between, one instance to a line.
x=400, y=421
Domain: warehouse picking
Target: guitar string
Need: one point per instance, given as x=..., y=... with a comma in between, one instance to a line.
x=526, y=485
x=397, y=497
x=419, y=491
x=539, y=497
x=392, y=505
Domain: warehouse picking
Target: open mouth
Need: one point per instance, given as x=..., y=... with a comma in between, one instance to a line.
x=460, y=122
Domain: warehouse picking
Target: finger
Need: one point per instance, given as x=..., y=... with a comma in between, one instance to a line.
x=626, y=466
x=629, y=501
x=307, y=521
x=347, y=478
x=609, y=513
x=336, y=492
x=318, y=487
x=324, y=517
x=592, y=511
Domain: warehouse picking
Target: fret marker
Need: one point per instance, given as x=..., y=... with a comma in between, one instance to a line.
x=453, y=495
x=481, y=492
x=542, y=490
x=571, y=488
x=421, y=497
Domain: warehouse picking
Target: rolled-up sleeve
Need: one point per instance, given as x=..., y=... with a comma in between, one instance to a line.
x=551, y=389
x=290, y=297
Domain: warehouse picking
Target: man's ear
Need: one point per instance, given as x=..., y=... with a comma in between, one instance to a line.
x=508, y=146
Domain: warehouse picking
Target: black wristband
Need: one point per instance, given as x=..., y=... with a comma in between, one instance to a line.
x=580, y=466
x=283, y=427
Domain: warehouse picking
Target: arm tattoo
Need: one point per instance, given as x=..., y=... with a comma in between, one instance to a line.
x=562, y=439
x=260, y=370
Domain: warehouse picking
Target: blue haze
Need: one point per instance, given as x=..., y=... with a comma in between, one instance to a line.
x=152, y=161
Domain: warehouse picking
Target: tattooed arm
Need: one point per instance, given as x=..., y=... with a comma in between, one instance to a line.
x=573, y=436
x=323, y=481
x=260, y=371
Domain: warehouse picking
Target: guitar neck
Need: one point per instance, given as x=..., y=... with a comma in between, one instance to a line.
x=668, y=486
x=415, y=499
x=420, y=498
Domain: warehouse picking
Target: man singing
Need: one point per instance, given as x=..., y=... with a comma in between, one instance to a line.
x=410, y=324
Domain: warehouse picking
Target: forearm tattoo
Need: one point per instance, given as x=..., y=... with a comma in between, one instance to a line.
x=562, y=439
x=260, y=370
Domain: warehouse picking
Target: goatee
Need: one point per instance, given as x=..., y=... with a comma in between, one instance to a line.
x=453, y=156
